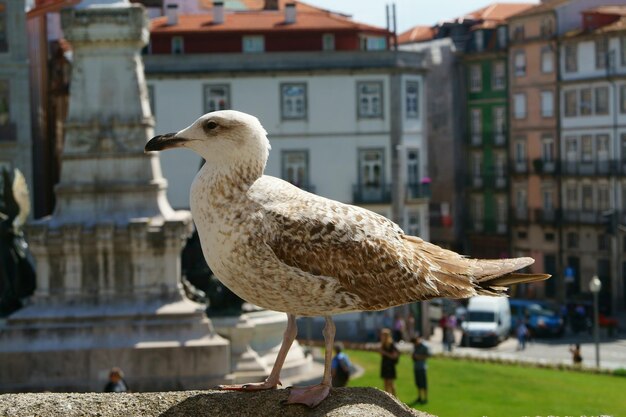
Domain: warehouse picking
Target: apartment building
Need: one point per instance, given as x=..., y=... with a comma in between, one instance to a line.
x=344, y=114
x=487, y=183
x=532, y=148
x=16, y=144
x=593, y=153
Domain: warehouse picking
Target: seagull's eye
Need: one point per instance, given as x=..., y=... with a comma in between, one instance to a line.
x=211, y=125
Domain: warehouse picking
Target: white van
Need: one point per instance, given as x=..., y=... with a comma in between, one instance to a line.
x=488, y=321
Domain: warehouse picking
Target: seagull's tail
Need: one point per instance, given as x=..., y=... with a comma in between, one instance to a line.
x=455, y=276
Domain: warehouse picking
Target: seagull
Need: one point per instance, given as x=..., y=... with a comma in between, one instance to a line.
x=284, y=249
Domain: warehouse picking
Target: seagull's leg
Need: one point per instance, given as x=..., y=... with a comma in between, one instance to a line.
x=315, y=394
x=273, y=380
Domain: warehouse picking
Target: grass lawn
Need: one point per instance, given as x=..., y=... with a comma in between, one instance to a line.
x=462, y=388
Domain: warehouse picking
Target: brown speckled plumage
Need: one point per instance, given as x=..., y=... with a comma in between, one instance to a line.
x=288, y=250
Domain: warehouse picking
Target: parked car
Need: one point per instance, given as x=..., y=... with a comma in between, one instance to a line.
x=488, y=321
x=541, y=319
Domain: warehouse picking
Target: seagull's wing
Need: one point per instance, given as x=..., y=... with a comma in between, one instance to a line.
x=366, y=253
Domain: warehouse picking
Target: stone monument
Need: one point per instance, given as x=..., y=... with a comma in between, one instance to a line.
x=108, y=259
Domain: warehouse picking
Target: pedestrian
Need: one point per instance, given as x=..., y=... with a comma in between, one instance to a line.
x=116, y=381
x=420, y=354
x=450, y=326
x=522, y=334
x=340, y=367
x=410, y=326
x=390, y=356
x=398, y=328
x=577, y=358
x=443, y=322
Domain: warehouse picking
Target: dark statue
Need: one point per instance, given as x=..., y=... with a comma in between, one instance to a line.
x=17, y=271
x=200, y=285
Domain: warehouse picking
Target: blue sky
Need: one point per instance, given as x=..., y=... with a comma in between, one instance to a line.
x=409, y=12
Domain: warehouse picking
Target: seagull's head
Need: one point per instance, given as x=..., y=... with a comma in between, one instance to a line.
x=223, y=138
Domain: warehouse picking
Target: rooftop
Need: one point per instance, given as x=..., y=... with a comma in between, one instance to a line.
x=308, y=18
x=548, y=6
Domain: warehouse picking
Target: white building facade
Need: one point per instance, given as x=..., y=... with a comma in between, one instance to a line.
x=333, y=119
x=593, y=160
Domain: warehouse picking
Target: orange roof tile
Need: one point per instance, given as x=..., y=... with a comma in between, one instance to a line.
x=260, y=21
x=260, y=4
x=500, y=11
x=540, y=8
x=417, y=34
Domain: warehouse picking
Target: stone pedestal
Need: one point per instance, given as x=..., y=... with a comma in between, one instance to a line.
x=255, y=341
x=108, y=259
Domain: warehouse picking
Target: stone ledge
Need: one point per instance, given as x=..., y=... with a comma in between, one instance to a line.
x=353, y=402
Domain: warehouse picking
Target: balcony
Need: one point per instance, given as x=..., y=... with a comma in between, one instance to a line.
x=583, y=217
x=586, y=168
x=520, y=215
x=417, y=191
x=543, y=166
x=487, y=181
x=488, y=225
x=519, y=166
x=546, y=216
x=499, y=138
x=371, y=193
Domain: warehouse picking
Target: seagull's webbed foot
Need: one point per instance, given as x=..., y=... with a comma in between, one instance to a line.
x=251, y=386
x=310, y=396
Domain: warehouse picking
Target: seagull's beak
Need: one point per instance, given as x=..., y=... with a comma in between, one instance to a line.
x=162, y=142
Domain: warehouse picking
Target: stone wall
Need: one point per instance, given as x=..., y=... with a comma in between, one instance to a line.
x=352, y=402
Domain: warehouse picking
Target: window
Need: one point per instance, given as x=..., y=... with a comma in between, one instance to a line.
x=623, y=49
x=603, y=241
x=499, y=76
x=548, y=198
x=601, y=52
x=571, y=148
x=479, y=40
x=586, y=148
x=216, y=97
x=370, y=99
x=373, y=43
x=328, y=42
x=622, y=98
x=4, y=44
x=547, y=104
x=518, y=33
x=501, y=214
x=546, y=28
x=476, y=78
x=476, y=126
x=521, y=203
x=547, y=148
x=371, y=167
x=499, y=124
x=412, y=100
x=602, y=100
x=255, y=43
x=413, y=223
x=502, y=37
x=295, y=167
x=587, y=194
x=519, y=106
x=571, y=197
x=293, y=101
x=572, y=240
x=500, y=165
x=520, y=63
x=603, y=197
x=571, y=103
x=571, y=58
x=178, y=45
x=602, y=147
x=585, y=102
x=413, y=166
x=520, y=150
x=477, y=165
x=547, y=60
